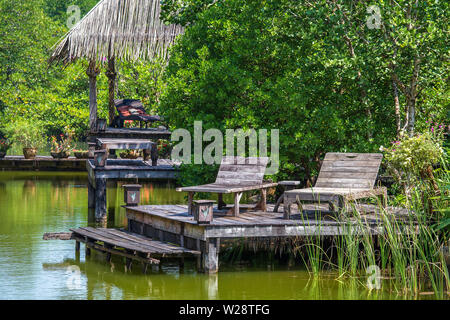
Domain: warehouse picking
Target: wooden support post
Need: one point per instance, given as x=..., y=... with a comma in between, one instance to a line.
x=181, y=263
x=91, y=195
x=129, y=263
x=86, y=247
x=220, y=203
x=211, y=255
x=154, y=155
x=237, y=199
x=262, y=203
x=111, y=74
x=77, y=246
x=144, y=267
x=100, y=199
x=108, y=254
x=190, y=202
x=146, y=154
x=92, y=73
x=200, y=257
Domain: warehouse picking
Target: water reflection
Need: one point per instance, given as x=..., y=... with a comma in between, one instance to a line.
x=30, y=268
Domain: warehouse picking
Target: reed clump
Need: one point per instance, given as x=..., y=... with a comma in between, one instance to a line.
x=407, y=249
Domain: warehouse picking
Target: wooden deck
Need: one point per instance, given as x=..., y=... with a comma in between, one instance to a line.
x=166, y=168
x=133, y=169
x=173, y=223
x=129, y=245
x=119, y=170
x=42, y=163
x=132, y=133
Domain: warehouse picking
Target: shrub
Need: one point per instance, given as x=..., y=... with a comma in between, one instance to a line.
x=412, y=158
x=26, y=133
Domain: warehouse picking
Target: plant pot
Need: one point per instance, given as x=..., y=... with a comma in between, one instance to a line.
x=60, y=155
x=81, y=154
x=2, y=154
x=29, y=153
x=101, y=125
x=100, y=157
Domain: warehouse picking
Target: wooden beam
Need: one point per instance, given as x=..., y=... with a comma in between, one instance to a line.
x=111, y=74
x=92, y=73
x=58, y=236
x=100, y=199
x=211, y=255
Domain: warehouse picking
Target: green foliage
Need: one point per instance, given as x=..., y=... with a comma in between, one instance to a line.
x=183, y=12
x=56, y=96
x=57, y=9
x=413, y=155
x=27, y=134
x=290, y=66
x=197, y=174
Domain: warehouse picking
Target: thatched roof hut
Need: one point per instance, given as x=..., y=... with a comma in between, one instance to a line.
x=123, y=29
x=115, y=29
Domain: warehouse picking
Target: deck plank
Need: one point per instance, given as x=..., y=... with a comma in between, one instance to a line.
x=131, y=241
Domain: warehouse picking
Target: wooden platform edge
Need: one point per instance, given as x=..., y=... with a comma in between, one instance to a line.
x=58, y=236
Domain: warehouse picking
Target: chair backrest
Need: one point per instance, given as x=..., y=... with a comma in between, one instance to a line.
x=128, y=107
x=349, y=170
x=242, y=171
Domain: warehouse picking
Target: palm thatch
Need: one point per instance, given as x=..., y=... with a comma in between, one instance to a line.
x=124, y=29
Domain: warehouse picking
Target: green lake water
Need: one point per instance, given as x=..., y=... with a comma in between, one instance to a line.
x=30, y=268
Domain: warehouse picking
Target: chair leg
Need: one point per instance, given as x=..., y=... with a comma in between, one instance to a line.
x=262, y=203
x=220, y=203
x=277, y=205
x=287, y=203
x=237, y=199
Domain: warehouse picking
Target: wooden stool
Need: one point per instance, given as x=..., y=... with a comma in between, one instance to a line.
x=287, y=185
x=203, y=211
x=132, y=194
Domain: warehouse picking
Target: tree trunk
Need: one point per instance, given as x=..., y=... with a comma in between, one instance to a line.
x=397, y=110
x=411, y=116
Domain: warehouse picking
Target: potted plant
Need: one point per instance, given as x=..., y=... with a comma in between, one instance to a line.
x=62, y=146
x=129, y=154
x=4, y=147
x=28, y=134
x=164, y=149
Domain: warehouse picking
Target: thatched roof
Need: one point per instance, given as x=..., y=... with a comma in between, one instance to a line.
x=124, y=29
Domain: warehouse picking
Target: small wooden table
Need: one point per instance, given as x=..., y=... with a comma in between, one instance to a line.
x=287, y=185
x=149, y=148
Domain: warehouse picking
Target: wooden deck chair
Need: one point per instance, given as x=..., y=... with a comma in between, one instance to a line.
x=343, y=177
x=130, y=109
x=236, y=175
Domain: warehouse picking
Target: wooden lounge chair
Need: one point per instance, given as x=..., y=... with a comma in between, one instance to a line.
x=343, y=177
x=236, y=175
x=130, y=109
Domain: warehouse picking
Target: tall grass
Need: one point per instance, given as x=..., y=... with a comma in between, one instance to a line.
x=406, y=247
